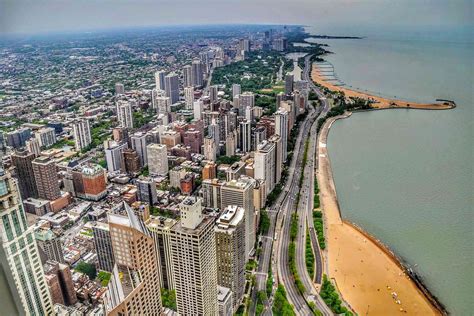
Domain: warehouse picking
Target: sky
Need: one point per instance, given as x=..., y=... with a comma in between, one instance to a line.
x=43, y=16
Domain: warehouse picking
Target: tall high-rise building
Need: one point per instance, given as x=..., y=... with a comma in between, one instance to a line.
x=22, y=283
x=124, y=114
x=46, y=178
x=187, y=76
x=103, y=246
x=245, y=136
x=264, y=165
x=64, y=292
x=157, y=159
x=230, y=249
x=82, y=134
x=160, y=80
x=213, y=90
x=211, y=193
x=240, y=193
x=230, y=144
x=196, y=73
x=46, y=136
x=193, y=256
x=162, y=104
x=119, y=88
x=18, y=137
x=246, y=99
x=236, y=90
x=276, y=139
x=281, y=129
x=131, y=161
x=139, y=143
x=114, y=157
x=172, y=87
x=210, y=150
x=193, y=138
x=289, y=78
x=134, y=288
x=33, y=146
x=244, y=45
x=160, y=229
x=147, y=191
x=197, y=109
x=189, y=97
x=49, y=245
x=23, y=162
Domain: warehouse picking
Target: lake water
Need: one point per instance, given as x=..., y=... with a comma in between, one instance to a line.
x=406, y=176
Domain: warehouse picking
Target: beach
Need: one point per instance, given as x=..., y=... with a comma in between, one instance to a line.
x=369, y=278
x=379, y=102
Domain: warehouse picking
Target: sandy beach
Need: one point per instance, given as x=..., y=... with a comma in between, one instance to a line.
x=379, y=102
x=364, y=273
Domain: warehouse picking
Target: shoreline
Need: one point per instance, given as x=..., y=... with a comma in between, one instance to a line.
x=379, y=102
x=387, y=273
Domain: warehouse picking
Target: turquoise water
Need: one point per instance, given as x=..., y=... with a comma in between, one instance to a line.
x=406, y=176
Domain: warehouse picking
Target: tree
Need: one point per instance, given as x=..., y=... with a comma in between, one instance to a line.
x=87, y=268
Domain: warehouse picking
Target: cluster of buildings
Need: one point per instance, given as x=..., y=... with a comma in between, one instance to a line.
x=173, y=203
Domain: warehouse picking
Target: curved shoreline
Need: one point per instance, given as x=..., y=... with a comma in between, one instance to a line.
x=374, y=258
x=379, y=101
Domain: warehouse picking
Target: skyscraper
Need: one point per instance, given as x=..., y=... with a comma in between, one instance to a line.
x=157, y=159
x=189, y=97
x=49, y=245
x=160, y=80
x=124, y=114
x=103, y=246
x=289, y=83
x=240, y=193
x=246, y=99
x=33, y=146
x=172, y=87
x=81, y=133
x=193, y=256
x=114, y=157
x=187, y=76
x=230, y=249
x=281, y=129
x=46, y=136
x=213, y=90
x=162, y=104
x=211, y=192
x=46, y=178
x=160, y=229
x=245, y=136
x=210, y=150
x=23, y=162
x=19, y=258
x=264, y=165
x=196, y=73
x=134, y=288
x=147, y=191
x=139, y=143
x=236, y=90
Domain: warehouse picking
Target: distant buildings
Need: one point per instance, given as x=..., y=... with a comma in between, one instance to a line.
x=82, y=134
x=196, y=73
x=289, y=79
x=160, y=80
x=46, y=136
x=49, y=245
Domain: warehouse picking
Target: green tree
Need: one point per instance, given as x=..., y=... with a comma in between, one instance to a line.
x=86, y=268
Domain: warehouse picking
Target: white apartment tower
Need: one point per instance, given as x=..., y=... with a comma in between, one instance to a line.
x=236, y=90
x=264, y=165
x=22, y=279
x=157, y=159
x=82, y=134
x=230, y=249
x=210, y=150
x=187, y=76
x=281, y=129
x=124, y=114
x=189, y=97
x=240, y=193
x=193, y=256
